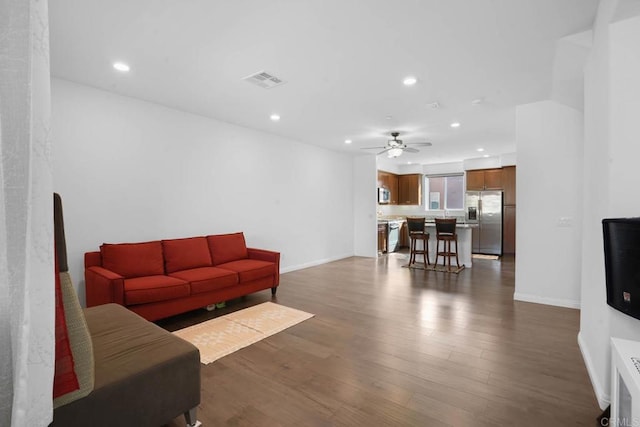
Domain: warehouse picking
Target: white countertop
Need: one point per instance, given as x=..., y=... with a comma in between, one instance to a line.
x=429, y=223
x=458, y=225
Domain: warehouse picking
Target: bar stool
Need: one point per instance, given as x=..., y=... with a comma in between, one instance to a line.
x=416, y=232
x=446, y=233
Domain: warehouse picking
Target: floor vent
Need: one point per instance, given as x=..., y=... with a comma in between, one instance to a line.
x=264, y=80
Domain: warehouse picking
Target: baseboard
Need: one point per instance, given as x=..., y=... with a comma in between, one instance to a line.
x=547, y=301
x=313, y=263
x=602, y=395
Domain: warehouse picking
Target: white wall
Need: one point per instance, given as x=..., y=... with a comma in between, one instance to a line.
x=388, y=165
x=624, y=145
x=568, y=69
x=549, y=173
x=129, y=171
x=508, y=159
x=443, y=168
x=593, y=337
x=482, y=163
x=365, y=179
x=612, y=103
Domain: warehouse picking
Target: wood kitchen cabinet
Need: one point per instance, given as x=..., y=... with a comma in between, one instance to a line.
x=404, y=235
x=393, y=189
x=382, y=238
x=390, y=182
x=509, y=230
x=484, y=179
x=509, y=185
x=475, y=180
x=493, y=179
x=509, y=210
x=410, y=189
x=383, y=179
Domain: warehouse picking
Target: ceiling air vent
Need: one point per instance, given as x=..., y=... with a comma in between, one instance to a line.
x=264, y=80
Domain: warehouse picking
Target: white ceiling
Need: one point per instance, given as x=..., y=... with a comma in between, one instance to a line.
x=343, y=61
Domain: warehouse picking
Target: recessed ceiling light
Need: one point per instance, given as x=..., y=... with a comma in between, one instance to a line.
x=409, y=163
x=275, y=117
x=455, y=125
x=480, y=149
x=347, y=141
x=121, y=66
x=409, y=81
x=389, y=117
x=486, y=155
x=477, y=101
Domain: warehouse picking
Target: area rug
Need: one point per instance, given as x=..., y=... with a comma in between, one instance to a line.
x=439, y=267
x=221, y=336
x=482, y=256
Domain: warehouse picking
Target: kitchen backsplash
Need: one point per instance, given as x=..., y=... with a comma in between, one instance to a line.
x=385, y=211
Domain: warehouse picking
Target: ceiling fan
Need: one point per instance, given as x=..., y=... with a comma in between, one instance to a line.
x=395, y=147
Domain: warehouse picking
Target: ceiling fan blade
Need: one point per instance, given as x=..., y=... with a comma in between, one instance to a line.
x=372, y=148
x=411, y=150
x=420, y=144
x=383, y=151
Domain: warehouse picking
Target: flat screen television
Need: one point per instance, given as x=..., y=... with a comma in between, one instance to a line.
x=622, y=264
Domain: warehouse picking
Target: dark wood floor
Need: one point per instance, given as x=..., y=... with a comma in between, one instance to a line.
x=393, y=346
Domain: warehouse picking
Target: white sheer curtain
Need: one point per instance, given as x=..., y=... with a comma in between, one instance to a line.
x=26, y=243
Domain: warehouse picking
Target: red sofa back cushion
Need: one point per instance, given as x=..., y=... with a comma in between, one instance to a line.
x=185, y=254
x=133, y=259
x=227, y=248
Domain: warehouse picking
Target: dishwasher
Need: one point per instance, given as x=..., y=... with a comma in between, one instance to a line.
x=393, y=239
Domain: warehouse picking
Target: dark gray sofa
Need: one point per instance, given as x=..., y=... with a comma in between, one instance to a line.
x=132, y=372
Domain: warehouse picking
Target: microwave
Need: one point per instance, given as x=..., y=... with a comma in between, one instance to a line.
x=384, y=195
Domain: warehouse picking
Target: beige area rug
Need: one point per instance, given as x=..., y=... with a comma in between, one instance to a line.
x=439, y=267
x=218, y=337
x=482, y=256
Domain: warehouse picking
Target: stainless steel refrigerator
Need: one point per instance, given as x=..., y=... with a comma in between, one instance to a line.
x=485, y=209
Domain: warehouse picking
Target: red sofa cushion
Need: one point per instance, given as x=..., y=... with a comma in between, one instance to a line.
x=133, y=259
x=227, y=247
x=184, y=254
x=207, y=279
x=141, y=290
x=250, y=269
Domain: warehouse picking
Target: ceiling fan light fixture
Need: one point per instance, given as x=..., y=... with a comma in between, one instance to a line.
x=394, y=152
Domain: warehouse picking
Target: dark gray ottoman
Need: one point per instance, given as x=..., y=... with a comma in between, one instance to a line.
x=144, y=375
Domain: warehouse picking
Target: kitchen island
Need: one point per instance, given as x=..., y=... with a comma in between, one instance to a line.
x=464, y=243
x=464, y=240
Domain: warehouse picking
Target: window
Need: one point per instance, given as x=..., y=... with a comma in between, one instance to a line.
x=444, y=192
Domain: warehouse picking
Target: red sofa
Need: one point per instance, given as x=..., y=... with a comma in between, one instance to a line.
x=163, y=278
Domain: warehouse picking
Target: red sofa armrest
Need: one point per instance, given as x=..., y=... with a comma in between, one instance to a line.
x=265, y=255
x=103, y=286
x=92, y=259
